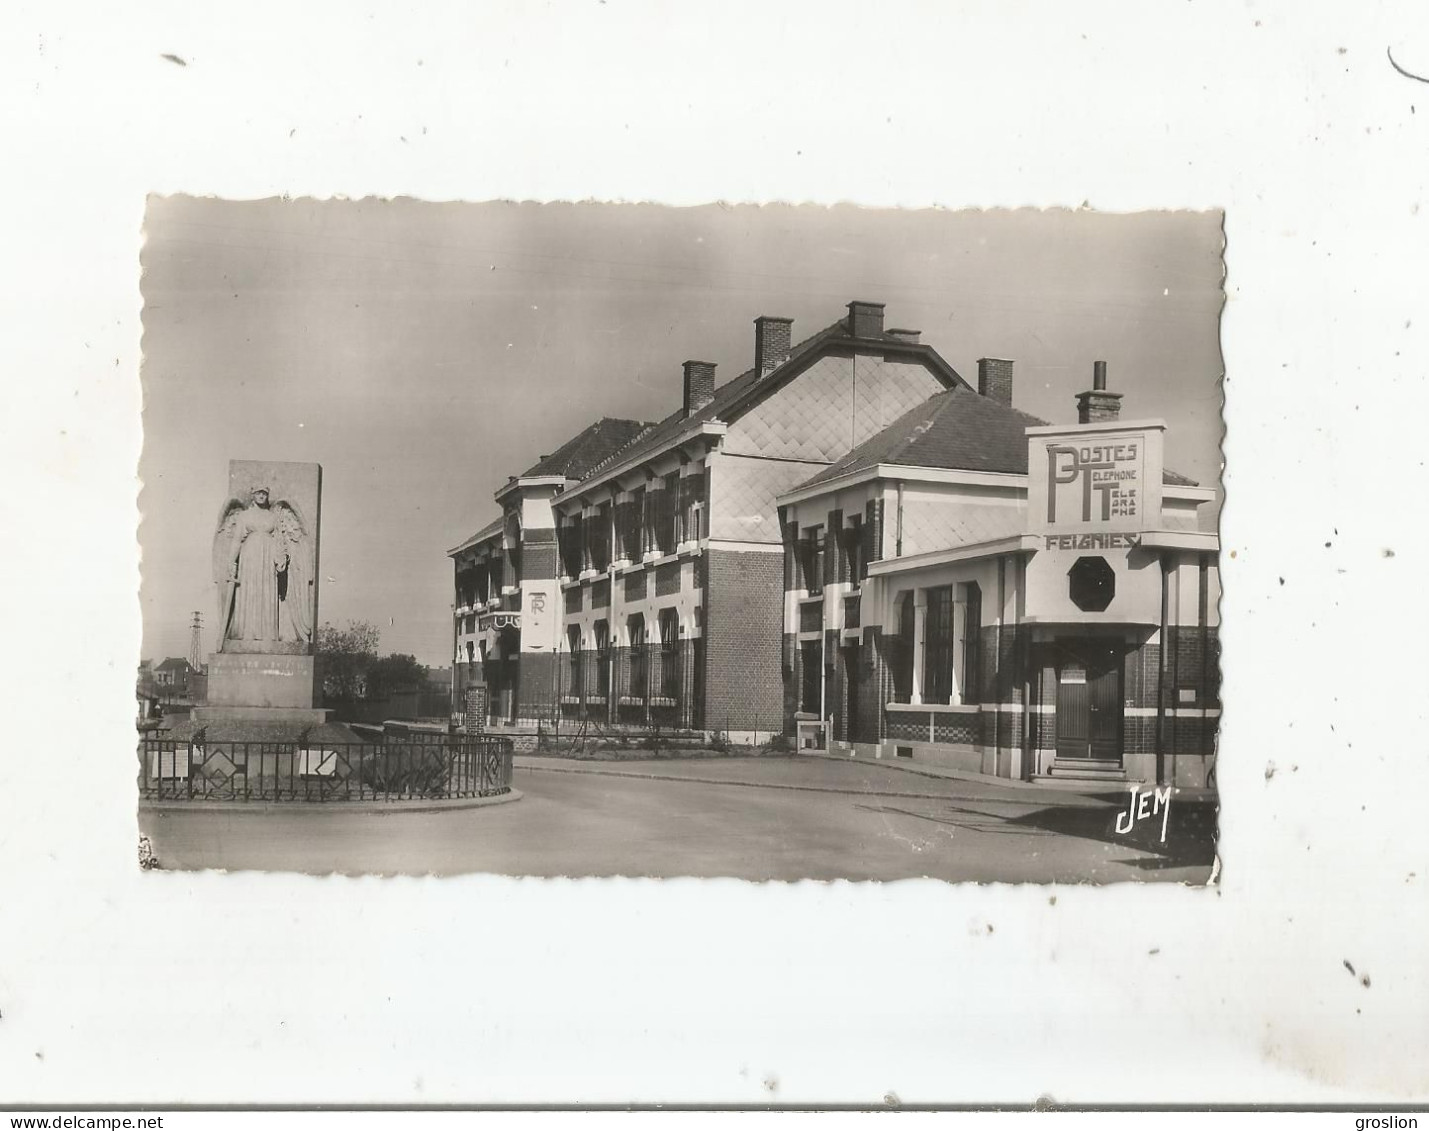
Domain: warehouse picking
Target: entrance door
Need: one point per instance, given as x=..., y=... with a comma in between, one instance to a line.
x=1089, y=701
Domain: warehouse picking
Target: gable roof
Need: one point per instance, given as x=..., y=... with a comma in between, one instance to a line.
x=577, y=456
x=734, y=396
x=956, y=429
x=175, y=663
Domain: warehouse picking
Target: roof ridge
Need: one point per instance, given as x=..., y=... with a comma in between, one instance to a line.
x=725, y=395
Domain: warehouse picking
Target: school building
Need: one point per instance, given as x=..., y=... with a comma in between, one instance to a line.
x=842, y=545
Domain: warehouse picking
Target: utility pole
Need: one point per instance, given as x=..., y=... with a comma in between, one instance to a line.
x=196, y=642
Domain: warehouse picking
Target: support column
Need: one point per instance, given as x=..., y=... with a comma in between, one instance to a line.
x=960, y=632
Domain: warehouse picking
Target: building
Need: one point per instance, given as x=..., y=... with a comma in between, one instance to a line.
x=976, y=588
x=176, y=678
x=848, y=544
x=637, y=574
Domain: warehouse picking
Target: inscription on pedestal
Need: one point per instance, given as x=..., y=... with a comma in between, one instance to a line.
x=237, y=680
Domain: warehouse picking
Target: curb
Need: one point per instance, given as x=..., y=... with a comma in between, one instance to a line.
x=762, y=785
x=1187, y=794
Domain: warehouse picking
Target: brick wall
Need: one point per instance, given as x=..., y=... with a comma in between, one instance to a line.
x=538, y=561
x=743, y=636
x=792, y=682
x=667, y=579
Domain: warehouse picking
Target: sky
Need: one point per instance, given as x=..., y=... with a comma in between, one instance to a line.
x=422, y=352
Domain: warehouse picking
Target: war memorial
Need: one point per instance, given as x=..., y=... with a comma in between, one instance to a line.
x=262, y=734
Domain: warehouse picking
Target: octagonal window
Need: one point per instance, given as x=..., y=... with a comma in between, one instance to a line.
x=1091, y=584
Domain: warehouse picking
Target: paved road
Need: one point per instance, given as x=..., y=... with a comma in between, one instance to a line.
x=758, y=818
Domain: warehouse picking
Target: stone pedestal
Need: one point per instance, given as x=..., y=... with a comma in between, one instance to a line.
x=239, y=680
x=260, y=696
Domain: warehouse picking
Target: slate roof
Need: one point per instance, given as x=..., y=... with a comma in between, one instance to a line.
x=956, y=429
x=732, y=396
x=175, y=663
x=489, y=530
x=573, y=459
x=577, y=456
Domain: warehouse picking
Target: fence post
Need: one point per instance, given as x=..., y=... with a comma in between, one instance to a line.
x=198, y=738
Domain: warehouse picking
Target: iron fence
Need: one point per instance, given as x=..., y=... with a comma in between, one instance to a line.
x=652, y=685
x=414, y=767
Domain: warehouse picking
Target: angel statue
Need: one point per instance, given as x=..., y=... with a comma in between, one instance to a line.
x=263, y=566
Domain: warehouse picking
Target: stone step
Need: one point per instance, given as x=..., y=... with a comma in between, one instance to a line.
x=1084, y=769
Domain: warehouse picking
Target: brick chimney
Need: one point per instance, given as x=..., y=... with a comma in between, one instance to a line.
x=994, y=379
x=771, y=342
x=1096, y=404
x=699, y=385
x=865, y=319
x=910, y=336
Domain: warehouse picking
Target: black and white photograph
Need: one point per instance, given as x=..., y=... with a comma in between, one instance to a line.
x=626, y=556
x=649, y=548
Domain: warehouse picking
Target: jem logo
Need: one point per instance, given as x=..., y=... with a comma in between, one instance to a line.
x=1107, y=472
x=1142, y=806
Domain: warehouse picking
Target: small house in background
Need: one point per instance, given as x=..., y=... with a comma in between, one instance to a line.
x=176, y=682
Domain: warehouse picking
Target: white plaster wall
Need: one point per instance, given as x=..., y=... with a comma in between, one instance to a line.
x=939, y=516
x=743, y=491
x=1138, y=586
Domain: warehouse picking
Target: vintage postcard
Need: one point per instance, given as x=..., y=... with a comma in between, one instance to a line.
x=804, y=543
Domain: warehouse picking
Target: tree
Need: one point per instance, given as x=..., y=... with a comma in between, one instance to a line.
x=347, y=656
x=394, y=673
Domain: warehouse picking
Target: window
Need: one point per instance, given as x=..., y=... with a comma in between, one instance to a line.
x=665, y=519
x=572, y=546
x=512, y=544
x=692, y=496
x=1091, y=584
x=972, y=640
x=669, y=654
x=901, y=661
x=598, y=539
x=811, y=564
x=639, y=672
x=938, y=645
x=574, y=687
x=811, y=677
x=602, y=658
x=853, y=548
x=633, y=541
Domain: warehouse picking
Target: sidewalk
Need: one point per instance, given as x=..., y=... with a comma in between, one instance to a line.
x=1086, y=788
x=803, y=772
x=717, y=771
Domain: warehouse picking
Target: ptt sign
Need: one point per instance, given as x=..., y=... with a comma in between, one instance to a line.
x=1094, y=478
x=1106, y=476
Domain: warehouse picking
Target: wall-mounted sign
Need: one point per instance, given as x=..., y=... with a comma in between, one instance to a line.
x=538, y=613
x=1090, y=483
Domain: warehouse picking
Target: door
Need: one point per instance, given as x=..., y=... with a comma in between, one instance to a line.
x=1089, y=701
